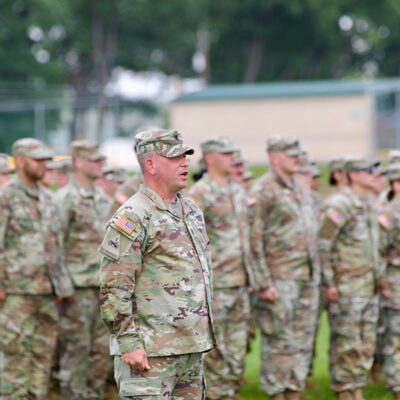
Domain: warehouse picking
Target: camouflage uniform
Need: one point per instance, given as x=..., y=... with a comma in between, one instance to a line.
x=128, y=189
x=156, y=287
x=225, y=214
x=31, y=273
x=5, y=170
x=389, y=223
x=348, y=248
x=84, y=340
x=284, y=245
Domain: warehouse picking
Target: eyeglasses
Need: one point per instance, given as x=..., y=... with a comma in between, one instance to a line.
x=369, y=170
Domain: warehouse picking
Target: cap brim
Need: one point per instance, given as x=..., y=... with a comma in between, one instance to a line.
x=177, y=151
x=293, y=152
x=41, y=156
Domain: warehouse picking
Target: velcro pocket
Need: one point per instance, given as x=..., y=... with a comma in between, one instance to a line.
x=140, y=386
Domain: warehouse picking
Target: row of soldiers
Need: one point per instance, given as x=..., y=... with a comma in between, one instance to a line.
x=269, y=252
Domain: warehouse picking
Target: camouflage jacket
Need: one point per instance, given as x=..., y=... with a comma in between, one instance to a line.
x=156, y=278
x=349, y=245
x=125, y=191
x=225, y=211
x=284, y=232
x=389, y=224
x=83, y=215
x=30, y=252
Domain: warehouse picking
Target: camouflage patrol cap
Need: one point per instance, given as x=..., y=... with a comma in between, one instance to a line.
x=4, y=168
x=337, y=164
x=86, y=149
x=33, y=148
x=305, y=164
x=247, y=173
x=392, y=171
x=284, y=143
x=360, y=163
x=116, y=174
x=394, y=156
x=220, y=144
x=165, y=142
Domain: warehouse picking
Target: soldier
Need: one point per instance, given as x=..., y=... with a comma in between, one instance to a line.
x=5, y=170
x=338, y=176
x=389, y=221
x=125, y=191
x=156, y=279
x=224, y=204
x=238, y=167
x=111, y=179
x=286, y=269
x=351, y=276
x=32, y=277
x=84, y=355
x=50, y=177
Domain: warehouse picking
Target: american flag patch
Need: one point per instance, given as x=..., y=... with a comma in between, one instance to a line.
x=335, y=217
x=125, y=225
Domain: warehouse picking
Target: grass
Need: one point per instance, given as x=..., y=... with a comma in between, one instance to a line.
x=320, y=379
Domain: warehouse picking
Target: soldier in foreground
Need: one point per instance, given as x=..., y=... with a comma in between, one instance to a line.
x=156, y=279
x=286, y=269
x=32, y=277
x=351, y=276
x=5, y=170
x=84, y=340
x=224, y=204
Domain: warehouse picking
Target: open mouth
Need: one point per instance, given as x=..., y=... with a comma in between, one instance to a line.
x=184, y=174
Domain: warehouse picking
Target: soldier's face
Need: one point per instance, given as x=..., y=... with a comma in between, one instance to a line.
x=237, y=173
x=4, y=178
x=289, y=164
x=92, y=169
x=366, y=178
x=34, y=169
x=172, y=171
x=223, y=162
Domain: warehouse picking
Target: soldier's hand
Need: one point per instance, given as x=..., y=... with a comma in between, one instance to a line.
x=331, y=293
x=386, y=292
x=268, y=294
x=3, y=295
x=137, y=360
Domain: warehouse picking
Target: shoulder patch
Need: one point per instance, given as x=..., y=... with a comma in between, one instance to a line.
x=121, y=198
x=335, y=217
x=125, y=225
x=384, y=220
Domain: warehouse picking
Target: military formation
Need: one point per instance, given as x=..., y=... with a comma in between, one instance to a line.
x=163, y=286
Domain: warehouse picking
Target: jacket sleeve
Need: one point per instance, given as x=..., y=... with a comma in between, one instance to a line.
x=4, y=217
x=120, y=266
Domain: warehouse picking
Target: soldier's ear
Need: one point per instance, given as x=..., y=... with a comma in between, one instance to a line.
x=150, y=166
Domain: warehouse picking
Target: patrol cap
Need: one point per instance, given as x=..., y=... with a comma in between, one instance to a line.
x=284, y=143
x=394, y=156
x=4, y=168
x=360, y=163
x=116, y=174
x=86, y=149
x=247, y=173
x=54, y=164
x=238, y=159
x=165, y=142
x=220, y=144
x=337, y=164
x=392, y=171
x=33, y=148
x=305, y=164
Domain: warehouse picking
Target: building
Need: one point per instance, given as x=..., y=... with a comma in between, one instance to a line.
x=329, y=117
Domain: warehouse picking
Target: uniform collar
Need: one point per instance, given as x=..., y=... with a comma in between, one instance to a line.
x=30, y=191
x=287, y=184
x=160, y=203
x=84, y=192
x=354, y=198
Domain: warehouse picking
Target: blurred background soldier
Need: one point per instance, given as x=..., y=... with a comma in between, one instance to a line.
x=111, y=179
x=156, y=279
x=125, y=191
x=389, y=223
x=5, y=170
x=84, y=340
x=31, y=274
x=224, y=204
x=248, y=176
x=338, y=176
x=286, y=269
x=351, y=275
x=50, y=177
x=238, y=167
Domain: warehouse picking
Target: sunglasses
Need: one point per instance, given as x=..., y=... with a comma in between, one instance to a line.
x=369, y=170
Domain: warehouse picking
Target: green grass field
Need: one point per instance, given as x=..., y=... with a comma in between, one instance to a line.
x=320, y=380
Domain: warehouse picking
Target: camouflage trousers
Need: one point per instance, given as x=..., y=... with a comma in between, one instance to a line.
x=224, y=365
x=391, y=319
x=287, y=328
x=172, y=377
x=83, y=347
x=380, y=338
x=353, y=322
x=28, y=335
